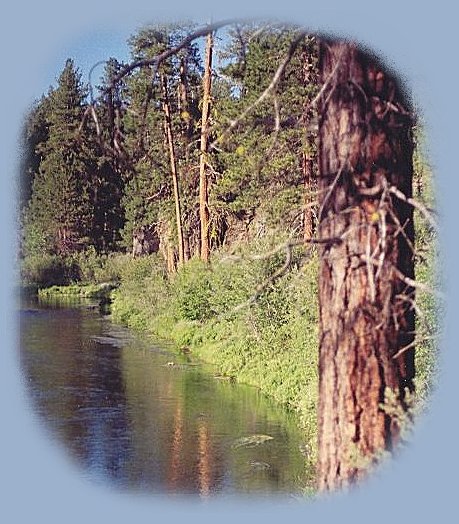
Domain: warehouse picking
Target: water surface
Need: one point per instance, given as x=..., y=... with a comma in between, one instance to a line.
x=144, y=418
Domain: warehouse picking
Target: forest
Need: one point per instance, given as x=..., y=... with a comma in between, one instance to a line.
x=260, y=197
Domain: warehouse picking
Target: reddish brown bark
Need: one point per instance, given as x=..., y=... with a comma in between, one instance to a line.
x=365, y=147
x=307, y=159
x=203, y=196
x=173, y=165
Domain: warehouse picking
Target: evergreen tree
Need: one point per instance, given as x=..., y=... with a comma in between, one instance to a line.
x=60, y=210
x=262, y=159
x=149, y=197
x=34, y=135
x=107, y=187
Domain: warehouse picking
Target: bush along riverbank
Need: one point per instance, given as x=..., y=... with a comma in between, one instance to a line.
x=231, y=313
x=245, y=314
x=258, y=330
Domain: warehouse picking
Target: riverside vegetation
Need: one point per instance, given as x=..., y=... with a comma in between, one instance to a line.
x=89, y=186
x=270, y=343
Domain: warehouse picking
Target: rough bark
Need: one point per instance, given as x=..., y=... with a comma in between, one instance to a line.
x=365, y=147
x=307, y=160
x=173, y=164
x=203, y=192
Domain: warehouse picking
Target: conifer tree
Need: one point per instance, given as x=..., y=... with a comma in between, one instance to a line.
x=60, y=209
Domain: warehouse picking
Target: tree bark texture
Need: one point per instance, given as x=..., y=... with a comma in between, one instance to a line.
x=203, y=192
x=366, y=317
x=173, y=164
x=308, y=154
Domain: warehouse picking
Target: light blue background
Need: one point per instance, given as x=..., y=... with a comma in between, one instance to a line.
x=37, y=482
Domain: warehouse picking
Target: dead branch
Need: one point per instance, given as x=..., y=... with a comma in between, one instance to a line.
x=407, y=280
x=284, y=246
x=418, y=205
x=274, y=81
x=156, y=60
x=272, y=278
x=414, y=343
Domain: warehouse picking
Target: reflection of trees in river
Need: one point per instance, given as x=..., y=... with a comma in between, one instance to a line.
x=80, y=393
x=129, y=417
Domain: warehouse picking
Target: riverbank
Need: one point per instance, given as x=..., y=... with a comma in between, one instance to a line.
x=268, y=341
x=141, y=418
x=251, y=327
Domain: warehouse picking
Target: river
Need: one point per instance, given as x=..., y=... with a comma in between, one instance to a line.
x=142, y=417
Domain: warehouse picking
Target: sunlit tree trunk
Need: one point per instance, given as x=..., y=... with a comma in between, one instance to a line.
x=173, y=165
x=307, y=160
x=203, y=196
x=366, y=314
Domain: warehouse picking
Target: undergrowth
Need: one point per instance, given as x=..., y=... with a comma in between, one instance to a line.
x=270, y=342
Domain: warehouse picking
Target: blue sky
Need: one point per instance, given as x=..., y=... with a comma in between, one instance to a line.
x=86, y=50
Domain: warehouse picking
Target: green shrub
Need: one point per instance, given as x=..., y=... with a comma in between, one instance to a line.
x=46, y=270
x=192, y=291
x=270, y=343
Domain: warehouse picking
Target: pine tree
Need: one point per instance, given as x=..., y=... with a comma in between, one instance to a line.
x=107, y=187
x=366, y=361
x=160, y=117
x=262, y=159
x=60, y=209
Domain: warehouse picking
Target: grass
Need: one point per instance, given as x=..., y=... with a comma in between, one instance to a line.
x=95, y=291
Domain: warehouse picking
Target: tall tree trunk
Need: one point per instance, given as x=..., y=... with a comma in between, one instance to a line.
x=173, y=163
x=184, y=105
x=366, y=320
x=307, y=160
x=203, y=196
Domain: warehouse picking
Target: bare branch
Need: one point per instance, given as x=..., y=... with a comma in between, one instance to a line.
x=412, y=344
x=284, y=246
x=329, y=192
x=418, y=285
x=407, y=280
x=275, y=80
x=156, y=60
x=418, y=205
x=263, y=285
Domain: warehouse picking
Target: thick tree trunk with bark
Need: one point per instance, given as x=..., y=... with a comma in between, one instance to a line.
x=203, y=196
x=366, y=318
x=173, y=164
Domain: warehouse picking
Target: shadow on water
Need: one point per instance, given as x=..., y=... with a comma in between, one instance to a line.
x=144, y=418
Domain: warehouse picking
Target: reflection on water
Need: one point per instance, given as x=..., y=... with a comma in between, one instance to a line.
x=144, y=418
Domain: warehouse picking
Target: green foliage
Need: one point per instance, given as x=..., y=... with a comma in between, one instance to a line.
x=96, y=291
x=60, y=206
x=48, y=270
x=97, y=269
x=83, y=195
x=193, y=291
x=261, y=163
x=260, y=344
x=428, y=272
